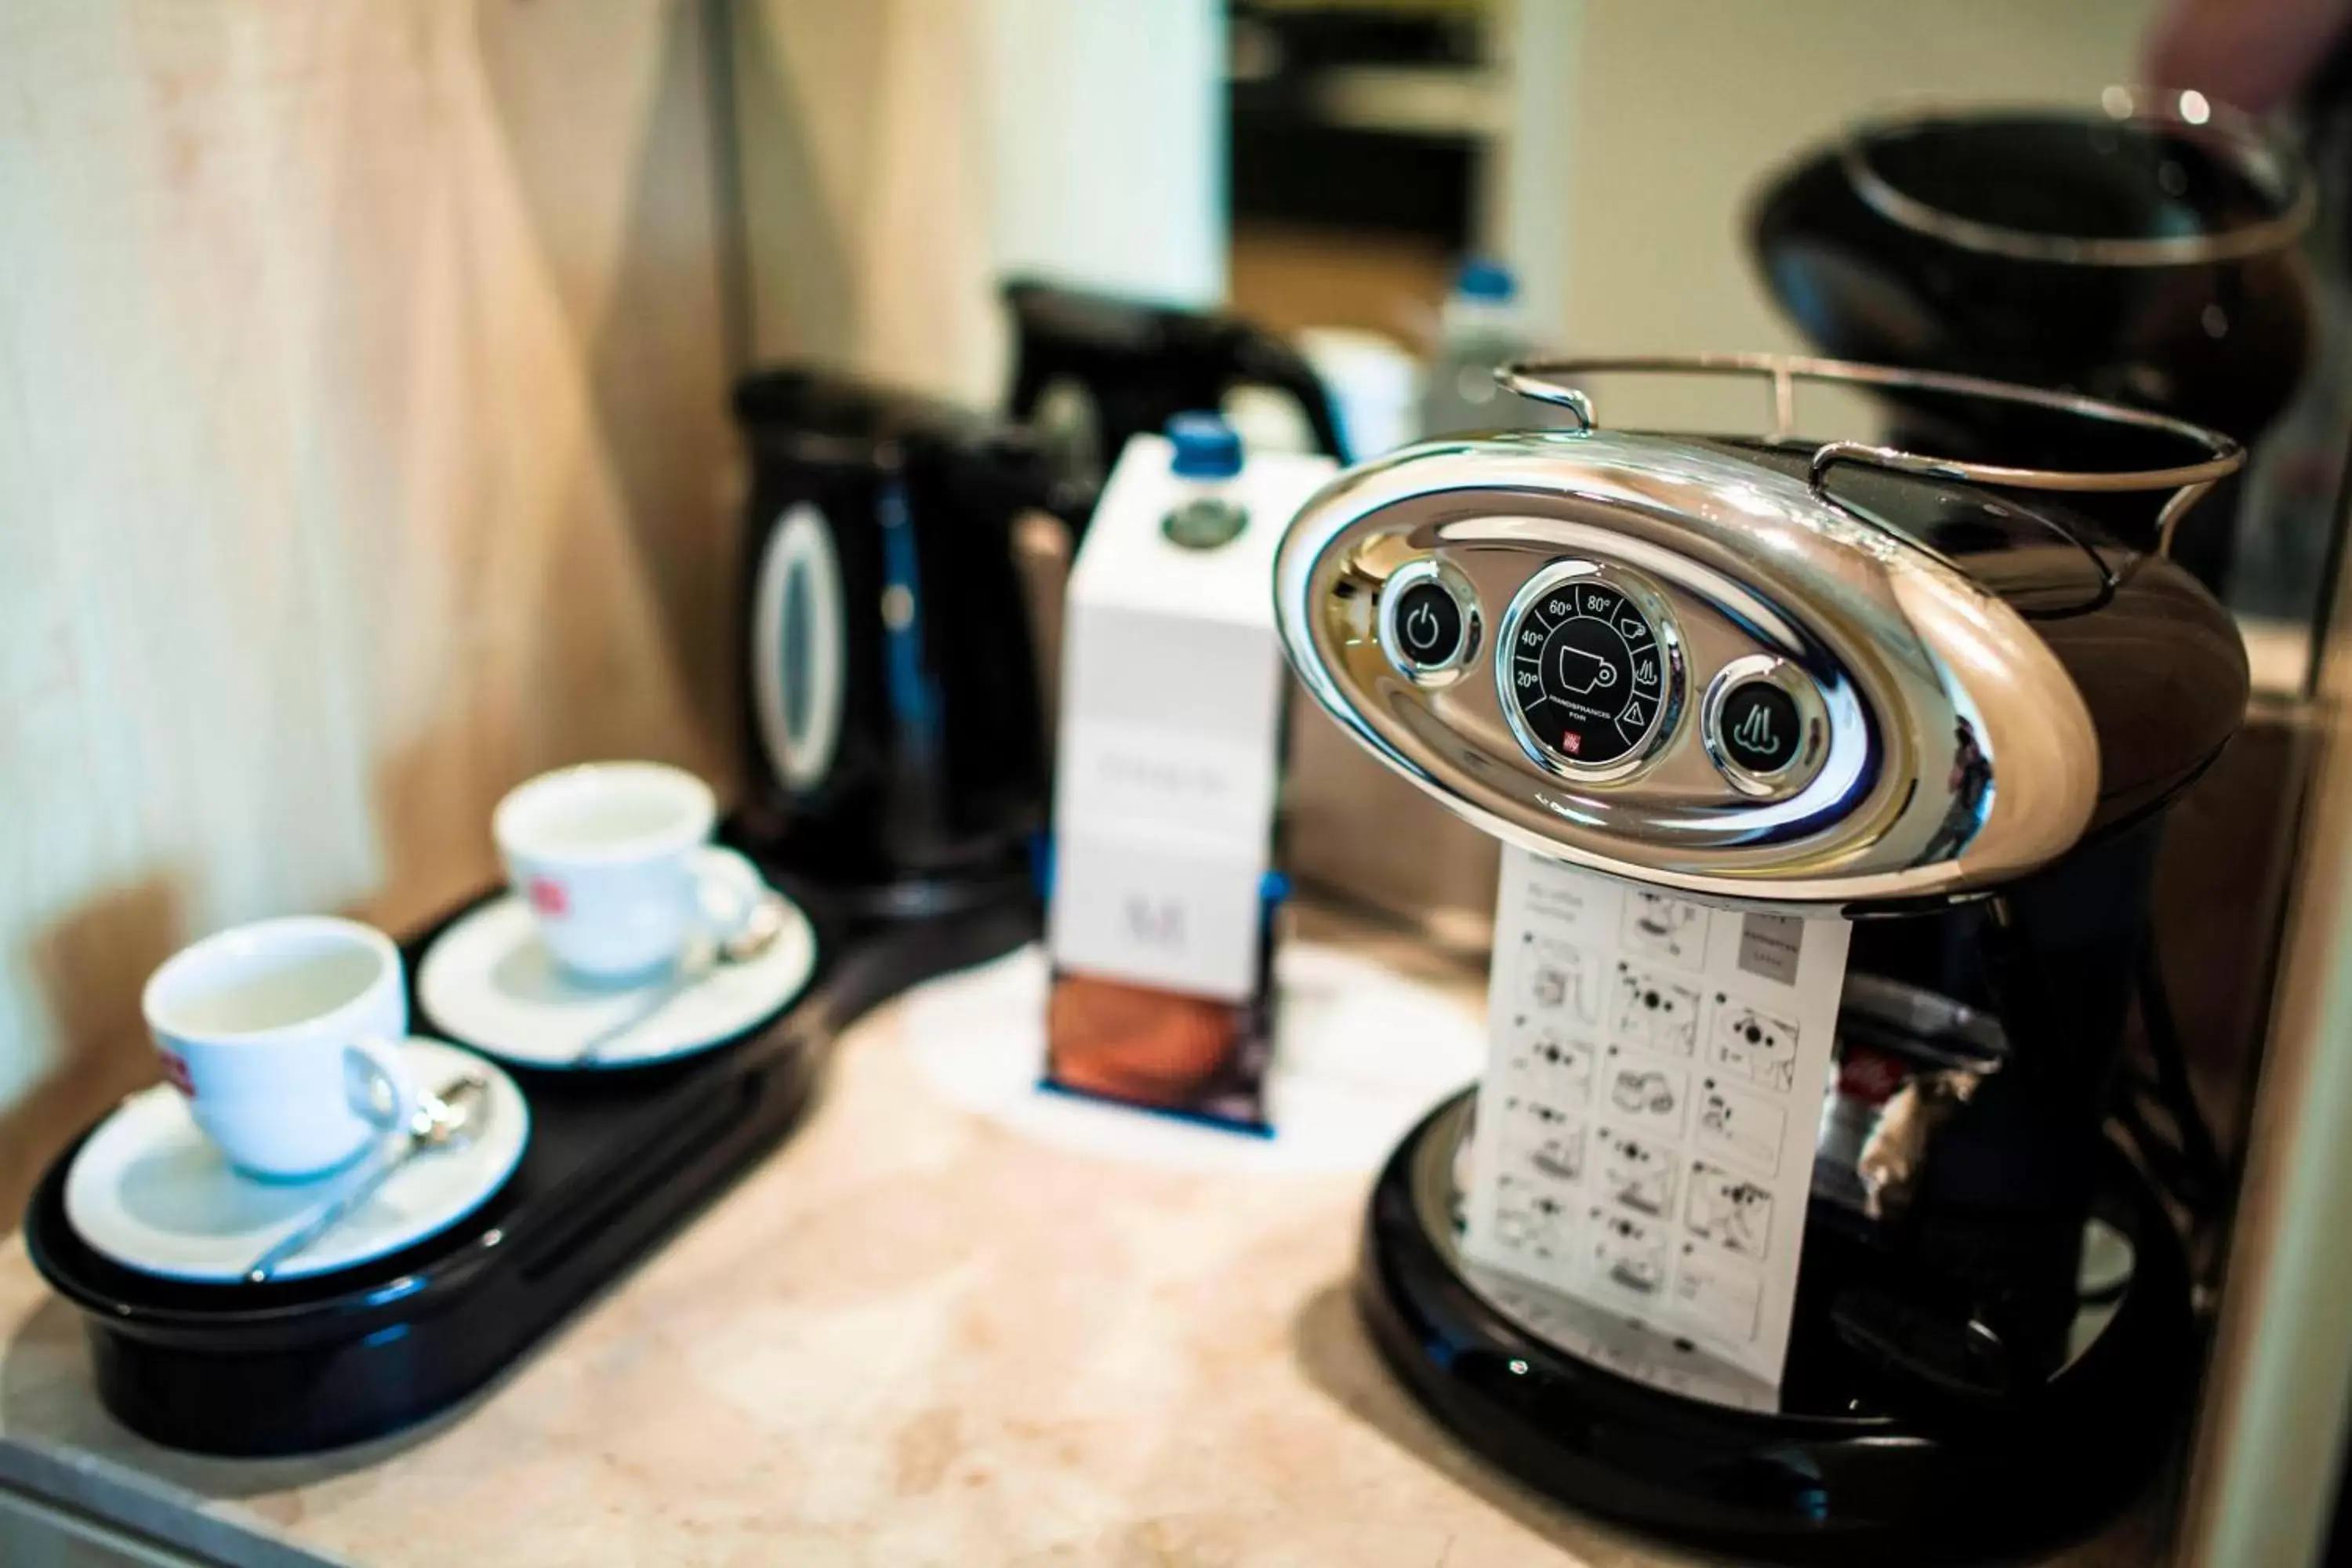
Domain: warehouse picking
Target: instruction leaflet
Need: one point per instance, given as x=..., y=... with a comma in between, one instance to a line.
x=1646, y=1125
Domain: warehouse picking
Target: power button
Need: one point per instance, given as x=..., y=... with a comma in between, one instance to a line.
x=1429, y=622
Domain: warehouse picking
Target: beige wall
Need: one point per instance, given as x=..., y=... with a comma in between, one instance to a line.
x=363, y=450
x=865, y=189
x=900, y=156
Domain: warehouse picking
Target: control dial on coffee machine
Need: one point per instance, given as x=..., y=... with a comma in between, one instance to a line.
x=1712, y=671
x=1593, y=680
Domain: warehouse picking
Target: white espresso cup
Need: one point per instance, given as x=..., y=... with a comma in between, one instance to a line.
x=615, y=862
x=284, y=1038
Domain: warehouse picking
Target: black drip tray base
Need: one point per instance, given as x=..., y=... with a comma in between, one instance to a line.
x=617, y=1159
x=1857, y=1463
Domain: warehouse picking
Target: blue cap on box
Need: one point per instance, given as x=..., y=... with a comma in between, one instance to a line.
x=1206, y=447
x=1486, y=279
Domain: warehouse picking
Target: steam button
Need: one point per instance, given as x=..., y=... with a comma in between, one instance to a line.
x=1758, y=726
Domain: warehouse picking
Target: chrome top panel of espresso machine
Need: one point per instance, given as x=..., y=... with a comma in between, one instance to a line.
x=1951, y=670
x=1829, y=680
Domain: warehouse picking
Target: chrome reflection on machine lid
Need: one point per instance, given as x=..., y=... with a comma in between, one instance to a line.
x=1879, y=726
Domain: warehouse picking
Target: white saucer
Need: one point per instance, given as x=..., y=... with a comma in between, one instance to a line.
x=488, y=982
x=150, y=1191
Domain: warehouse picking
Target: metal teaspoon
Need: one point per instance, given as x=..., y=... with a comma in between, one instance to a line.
x=450, y=1119
x=767, y=923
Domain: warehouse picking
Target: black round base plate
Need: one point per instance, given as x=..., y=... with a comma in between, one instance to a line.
x=1858, y=1462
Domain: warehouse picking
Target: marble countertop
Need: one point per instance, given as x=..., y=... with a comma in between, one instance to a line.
x=913, y=1335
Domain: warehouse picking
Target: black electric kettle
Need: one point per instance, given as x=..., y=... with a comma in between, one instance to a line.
x=1093, y=370
x=890, y=683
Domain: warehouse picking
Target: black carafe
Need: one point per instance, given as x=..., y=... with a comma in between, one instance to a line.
x=890, y=686
x=1128, y=367
x=2144, y=251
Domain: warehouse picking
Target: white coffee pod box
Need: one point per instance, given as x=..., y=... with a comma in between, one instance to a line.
x=1170, y=731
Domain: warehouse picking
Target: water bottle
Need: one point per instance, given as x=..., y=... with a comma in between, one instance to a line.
x=1482, y=328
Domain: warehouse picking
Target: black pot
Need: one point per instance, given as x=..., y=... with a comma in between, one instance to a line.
x=2144, y=253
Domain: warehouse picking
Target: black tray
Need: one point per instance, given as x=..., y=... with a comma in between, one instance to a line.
x=617, y=1159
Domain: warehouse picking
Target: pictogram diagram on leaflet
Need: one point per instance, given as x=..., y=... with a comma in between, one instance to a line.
x=1644, y=1134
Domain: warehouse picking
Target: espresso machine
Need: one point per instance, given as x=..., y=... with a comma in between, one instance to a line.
x=1829, y=681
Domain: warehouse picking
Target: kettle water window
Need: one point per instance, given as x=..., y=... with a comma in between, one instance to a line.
x=798, y=669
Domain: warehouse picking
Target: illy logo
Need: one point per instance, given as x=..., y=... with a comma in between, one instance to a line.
x=175, y=1072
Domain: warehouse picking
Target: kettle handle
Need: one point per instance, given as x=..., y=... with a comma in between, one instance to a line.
x=1260, y=358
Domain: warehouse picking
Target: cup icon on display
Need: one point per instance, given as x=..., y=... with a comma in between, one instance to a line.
x=1584, y=672
x=284, y=1037
x=615, y=861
